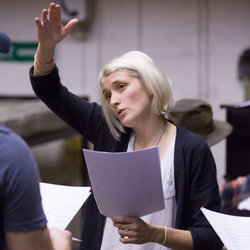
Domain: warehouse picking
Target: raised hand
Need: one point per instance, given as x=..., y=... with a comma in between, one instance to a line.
x=50, y=30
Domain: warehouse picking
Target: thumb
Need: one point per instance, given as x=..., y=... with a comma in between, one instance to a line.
x=70, y=25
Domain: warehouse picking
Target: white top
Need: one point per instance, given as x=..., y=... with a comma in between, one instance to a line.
x=165, y=217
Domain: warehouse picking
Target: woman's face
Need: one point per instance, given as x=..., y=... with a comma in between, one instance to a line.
x=127, y=98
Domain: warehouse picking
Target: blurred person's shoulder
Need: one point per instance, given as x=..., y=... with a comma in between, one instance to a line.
x=11, y=144
x=10, y=136
x=4, y=130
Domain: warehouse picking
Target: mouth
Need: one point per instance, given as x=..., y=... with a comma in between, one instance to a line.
x=119, y=112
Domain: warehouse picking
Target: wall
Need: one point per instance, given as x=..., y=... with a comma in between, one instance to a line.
x=196, y=42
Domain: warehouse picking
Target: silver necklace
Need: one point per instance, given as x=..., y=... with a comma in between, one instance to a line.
x=158, y=138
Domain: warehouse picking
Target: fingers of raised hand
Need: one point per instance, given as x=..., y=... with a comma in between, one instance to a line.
x=44, y=16
x=58, y=12
x=53, y=13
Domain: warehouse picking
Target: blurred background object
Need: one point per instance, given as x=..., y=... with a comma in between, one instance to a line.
x=197, y=116
x=83, y=10
x=4, y=43
x=244, y=71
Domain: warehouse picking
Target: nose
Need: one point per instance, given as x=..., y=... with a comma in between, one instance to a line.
x=114, y=100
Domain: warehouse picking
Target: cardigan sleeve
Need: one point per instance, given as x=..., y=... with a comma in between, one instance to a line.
x=197, y=187
x=82, y=115
x=204, y=193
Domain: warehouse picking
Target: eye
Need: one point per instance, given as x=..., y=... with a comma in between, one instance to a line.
x=107, y=96
x=121, y=86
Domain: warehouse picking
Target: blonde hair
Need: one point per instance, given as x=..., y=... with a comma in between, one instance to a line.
x=141, y=66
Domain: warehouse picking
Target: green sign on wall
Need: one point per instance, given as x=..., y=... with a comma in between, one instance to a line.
x=20, y=51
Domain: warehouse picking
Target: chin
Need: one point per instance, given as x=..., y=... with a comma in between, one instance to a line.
x=126, y=123
x=129, y=125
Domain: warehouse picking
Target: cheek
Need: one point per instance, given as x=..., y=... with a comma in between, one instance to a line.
x=144, y=98
x=138, y=93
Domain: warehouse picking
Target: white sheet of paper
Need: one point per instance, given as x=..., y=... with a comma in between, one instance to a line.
x=61, y=203
x=245, y=204
x=234, y=231
x=126, y=183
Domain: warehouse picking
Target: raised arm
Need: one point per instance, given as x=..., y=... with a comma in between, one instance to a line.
x=50, y=31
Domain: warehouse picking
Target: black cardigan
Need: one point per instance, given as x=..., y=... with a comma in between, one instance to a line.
x=194, y=167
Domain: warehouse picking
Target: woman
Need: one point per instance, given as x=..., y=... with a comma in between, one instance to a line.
x=136, y=97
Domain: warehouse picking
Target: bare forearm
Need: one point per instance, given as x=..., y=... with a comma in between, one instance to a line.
x=44, y=60
x=40, y=239
x=36, y=239
x=173, y=238
x=179, y=239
